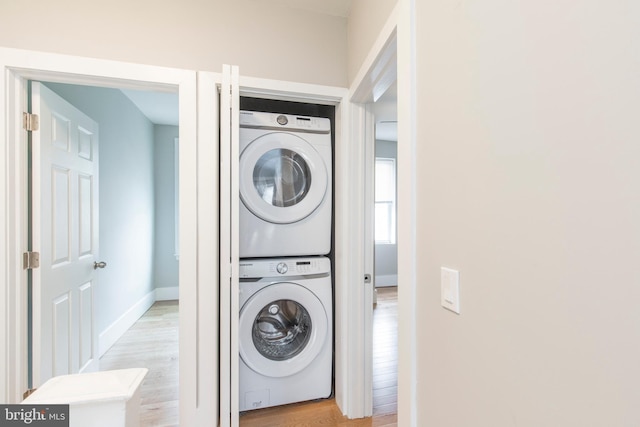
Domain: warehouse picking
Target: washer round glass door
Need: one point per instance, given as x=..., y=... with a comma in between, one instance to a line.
x=283, y=178
x=283, y=327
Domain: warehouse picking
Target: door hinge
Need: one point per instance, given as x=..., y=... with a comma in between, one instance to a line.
x=31, y=260
x=29, y=393
x=30, y=122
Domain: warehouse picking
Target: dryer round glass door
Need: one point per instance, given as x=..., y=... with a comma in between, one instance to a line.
x=283, y=327
x=283, y=178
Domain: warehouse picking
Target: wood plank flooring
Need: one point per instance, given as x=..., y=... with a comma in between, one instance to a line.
x=153, y=343
x=385, y=352
x=322, y=413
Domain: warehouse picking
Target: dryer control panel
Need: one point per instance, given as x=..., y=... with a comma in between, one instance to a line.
x=288, y=122
x=284, y=267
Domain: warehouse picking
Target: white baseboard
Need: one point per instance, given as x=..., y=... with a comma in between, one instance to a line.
x=386, y=280
x=124, y=322
x=167, y=294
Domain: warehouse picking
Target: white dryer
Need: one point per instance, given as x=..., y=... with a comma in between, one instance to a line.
x=285, y=185
x=285, y=331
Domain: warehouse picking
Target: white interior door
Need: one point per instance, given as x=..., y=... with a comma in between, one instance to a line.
x=369, y=254
x=65, y=232
x=229, y=246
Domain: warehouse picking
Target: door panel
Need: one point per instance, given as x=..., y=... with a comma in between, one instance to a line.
x=369, y=256
x=85, y=228
x=86, y=320
x=60, y=215
x=60, y=340
x=64, y=231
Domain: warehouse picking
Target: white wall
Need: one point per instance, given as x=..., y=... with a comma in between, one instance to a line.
x=366, y=19
x=126, y=198
x=265, y=39
x=529, y=185
x=165, y=263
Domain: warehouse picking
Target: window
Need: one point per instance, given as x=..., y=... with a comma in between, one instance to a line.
x=385, y=200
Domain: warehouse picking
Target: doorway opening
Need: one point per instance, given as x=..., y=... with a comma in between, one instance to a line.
x=376, y=124
x=385, y=253
x=137, y=232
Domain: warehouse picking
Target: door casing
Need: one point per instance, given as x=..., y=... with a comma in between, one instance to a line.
x=18, y=67
x=392, y=58
x=343, y=271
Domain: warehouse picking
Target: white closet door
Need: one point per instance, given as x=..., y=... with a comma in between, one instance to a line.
x=229, y=246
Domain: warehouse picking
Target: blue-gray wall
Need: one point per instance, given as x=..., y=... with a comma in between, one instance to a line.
x=134, y=208
x=165, y=260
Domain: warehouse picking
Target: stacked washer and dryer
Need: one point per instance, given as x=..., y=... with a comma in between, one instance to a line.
x=286, y=317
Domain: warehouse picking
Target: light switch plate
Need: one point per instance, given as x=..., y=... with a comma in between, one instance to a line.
x=450, y=289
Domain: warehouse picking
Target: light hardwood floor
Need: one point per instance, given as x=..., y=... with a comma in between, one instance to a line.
x=385, y=352
x=153, y=343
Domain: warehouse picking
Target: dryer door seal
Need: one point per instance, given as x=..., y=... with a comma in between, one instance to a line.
x=283, y=327
x=283, y=178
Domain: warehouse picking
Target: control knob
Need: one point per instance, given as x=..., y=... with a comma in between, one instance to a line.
x=282, y=268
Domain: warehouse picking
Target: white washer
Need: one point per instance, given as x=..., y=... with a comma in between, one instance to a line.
x=285, y=185
x=285, y=331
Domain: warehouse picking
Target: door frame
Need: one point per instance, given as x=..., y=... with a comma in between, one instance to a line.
x=18, y=66
x=346, y=222
x=392, y=58
x=407, y=216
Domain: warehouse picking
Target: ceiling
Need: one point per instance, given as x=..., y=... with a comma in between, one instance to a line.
x=160, y=108
x=385, y=111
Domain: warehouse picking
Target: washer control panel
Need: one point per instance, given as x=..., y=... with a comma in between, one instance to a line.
x=259, y=268
x=290, y=122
